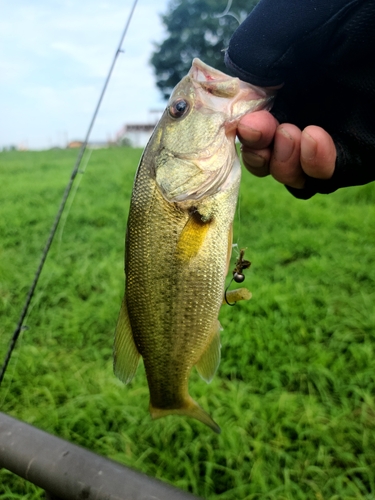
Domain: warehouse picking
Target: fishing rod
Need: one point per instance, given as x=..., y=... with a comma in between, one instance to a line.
x=65, y=196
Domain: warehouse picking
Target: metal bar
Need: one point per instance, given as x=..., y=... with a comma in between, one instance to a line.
x=49, y=496
x=70, y=472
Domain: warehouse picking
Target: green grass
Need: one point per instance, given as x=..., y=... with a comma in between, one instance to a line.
x=294, y=393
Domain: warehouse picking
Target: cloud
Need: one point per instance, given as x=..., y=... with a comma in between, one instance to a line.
x=54, y=58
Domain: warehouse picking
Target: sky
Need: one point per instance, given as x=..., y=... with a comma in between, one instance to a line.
x=54, y=58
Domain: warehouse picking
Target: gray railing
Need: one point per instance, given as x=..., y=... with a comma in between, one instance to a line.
x=70, y=472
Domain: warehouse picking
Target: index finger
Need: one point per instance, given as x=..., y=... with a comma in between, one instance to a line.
x=256, y=130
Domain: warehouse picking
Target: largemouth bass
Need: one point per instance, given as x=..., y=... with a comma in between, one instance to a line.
x=179, y=239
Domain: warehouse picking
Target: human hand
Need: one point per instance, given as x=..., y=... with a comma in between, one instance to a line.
x=321, y=134
x=284, y=151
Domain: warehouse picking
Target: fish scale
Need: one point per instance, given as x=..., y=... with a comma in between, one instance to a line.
x=179, y=239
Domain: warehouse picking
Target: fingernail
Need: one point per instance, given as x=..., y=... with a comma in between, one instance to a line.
x=308, y=147
x=249, y=135
x=253, y=160
x=284, y=147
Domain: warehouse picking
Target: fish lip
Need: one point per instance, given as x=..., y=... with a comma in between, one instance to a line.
x=203, y=77
x=199, y=69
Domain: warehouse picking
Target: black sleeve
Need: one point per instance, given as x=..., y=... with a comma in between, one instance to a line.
x=323, y=52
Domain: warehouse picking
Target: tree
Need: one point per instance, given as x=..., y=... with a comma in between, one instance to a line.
x=195, y=28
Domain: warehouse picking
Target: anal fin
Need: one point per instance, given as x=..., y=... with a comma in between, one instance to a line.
x=125, y=352
x=210, y=359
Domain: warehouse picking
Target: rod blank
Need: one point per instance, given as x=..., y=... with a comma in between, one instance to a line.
x=71, y=472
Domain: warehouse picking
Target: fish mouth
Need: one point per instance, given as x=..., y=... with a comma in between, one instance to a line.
x=222, y=85
x=201, y=72
x=218, y=91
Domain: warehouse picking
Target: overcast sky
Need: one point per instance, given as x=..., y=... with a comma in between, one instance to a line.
x=54, y=58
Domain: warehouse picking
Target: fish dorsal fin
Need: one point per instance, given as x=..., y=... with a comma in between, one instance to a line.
x=210, y=359
x=126, y=355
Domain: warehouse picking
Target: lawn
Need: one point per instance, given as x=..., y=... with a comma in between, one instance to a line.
x=294, y=393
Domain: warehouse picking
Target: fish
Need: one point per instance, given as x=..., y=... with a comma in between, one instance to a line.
x=179, y=239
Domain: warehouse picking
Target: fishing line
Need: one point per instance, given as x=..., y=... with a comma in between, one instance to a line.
x=238, y=216
x=227, y=13
x=72, y=197
x=68, y=188
x=37, y=297
x=62, y=223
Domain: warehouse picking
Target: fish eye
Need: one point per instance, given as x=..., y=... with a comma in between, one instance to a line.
x=178, y=108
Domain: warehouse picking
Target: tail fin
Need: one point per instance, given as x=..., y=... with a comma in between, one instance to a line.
x=189, y=409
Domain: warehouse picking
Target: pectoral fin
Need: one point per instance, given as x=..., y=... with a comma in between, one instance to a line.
x=126, y=355
x=210, y=359
x=192, y=237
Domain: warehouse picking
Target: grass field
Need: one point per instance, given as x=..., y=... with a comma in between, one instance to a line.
x=294, y=394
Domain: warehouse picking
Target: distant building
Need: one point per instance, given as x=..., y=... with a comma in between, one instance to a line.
x=90, y=145
x=138, y=134
x=74, y=144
